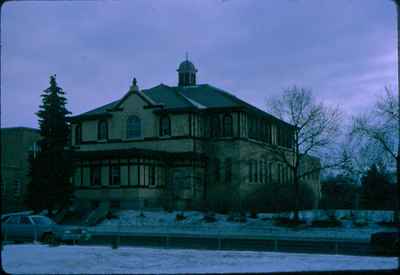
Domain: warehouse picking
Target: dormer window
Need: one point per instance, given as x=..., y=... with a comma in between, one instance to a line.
x=133, y=127
x=102, y=130
x=165, y=126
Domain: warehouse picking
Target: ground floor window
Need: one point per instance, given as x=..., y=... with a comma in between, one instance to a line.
x=217, y=171
x=228, y=170
x=115, y=175
x=251, y=170
x=152, y=176
x=95, y=175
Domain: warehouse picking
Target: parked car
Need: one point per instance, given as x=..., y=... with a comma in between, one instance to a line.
x=40, y=228
x=387, y=243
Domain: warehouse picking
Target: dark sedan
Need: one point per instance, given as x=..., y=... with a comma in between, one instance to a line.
x=39, y=228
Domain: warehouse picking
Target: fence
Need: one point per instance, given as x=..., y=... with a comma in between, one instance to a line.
x=231, y=242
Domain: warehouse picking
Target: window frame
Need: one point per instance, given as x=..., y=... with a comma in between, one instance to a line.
x=215, y=125
x=111, y=181
x=165, y=131
x=93, y=174
x=152, y=176
x=227, y=128
x=137, y=124
x=228, y=170
x=99, y=130
x=78, y=134
x=217, y=170
x=251, y=170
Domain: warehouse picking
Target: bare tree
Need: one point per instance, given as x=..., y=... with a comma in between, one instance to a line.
x=381, y=127
x=316, y=129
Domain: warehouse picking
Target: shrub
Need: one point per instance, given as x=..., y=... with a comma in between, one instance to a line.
x=388, y=224
x=338, y=192
x=180, y=217
x=253, y=214
x=287, y=222
x=209, y=217
x=110, y=215
x=360, y=223
x=274, y=198
x=237, y=217
x=326, y=223
x=219, y=199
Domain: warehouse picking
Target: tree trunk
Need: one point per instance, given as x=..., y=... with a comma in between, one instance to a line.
x=296, y=184
x=296, y=179
x=397, y=214
x=397, y=211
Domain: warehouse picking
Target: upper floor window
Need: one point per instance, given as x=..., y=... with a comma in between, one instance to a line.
x=165, y=126
x=228, y=125
x=215, y=126
x=273, y=134
x=268, y=133
x=133, y=127
x=252, y=127
x=78, y=134
x=102, y=130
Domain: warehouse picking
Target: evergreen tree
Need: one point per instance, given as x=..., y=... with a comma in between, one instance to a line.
x=50, y=171
x=339, y=192
x=377, y=192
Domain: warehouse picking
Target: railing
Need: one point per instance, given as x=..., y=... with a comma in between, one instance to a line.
x=357, y=235
x=169, y=237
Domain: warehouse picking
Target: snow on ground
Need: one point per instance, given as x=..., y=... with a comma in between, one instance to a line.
x=161, y=221
x=37, y=258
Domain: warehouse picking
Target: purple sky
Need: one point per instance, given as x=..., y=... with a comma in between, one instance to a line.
x=344, y=50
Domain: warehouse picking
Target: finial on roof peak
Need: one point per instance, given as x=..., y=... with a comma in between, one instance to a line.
x=187, y=56
x=134, y=87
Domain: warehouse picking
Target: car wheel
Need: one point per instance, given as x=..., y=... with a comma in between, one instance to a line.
x=49, y=238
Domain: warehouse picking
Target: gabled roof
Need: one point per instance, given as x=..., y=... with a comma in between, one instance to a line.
x=167, y=96
x=197, y=98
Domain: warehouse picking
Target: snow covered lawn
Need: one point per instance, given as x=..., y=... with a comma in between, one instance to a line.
x=161, y=221
x=36, y=258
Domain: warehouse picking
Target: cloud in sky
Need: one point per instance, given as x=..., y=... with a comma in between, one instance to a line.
x=344, y=50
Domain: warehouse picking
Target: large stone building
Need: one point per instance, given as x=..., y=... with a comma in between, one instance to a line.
x=174, y=144
x=16, y=144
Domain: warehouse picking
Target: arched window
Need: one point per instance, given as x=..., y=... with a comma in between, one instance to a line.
x=78, y=134
x=228, y=125
x=215, y=126
x=102, y=130
x=165, y=126
x=133, y=127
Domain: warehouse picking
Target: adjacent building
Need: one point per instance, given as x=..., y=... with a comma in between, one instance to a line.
x=16, y=144
x=173, y=144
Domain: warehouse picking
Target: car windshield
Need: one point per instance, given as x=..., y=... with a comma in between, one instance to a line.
x=42, y=220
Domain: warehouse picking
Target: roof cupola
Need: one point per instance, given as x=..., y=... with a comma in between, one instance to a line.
x=186, y=73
